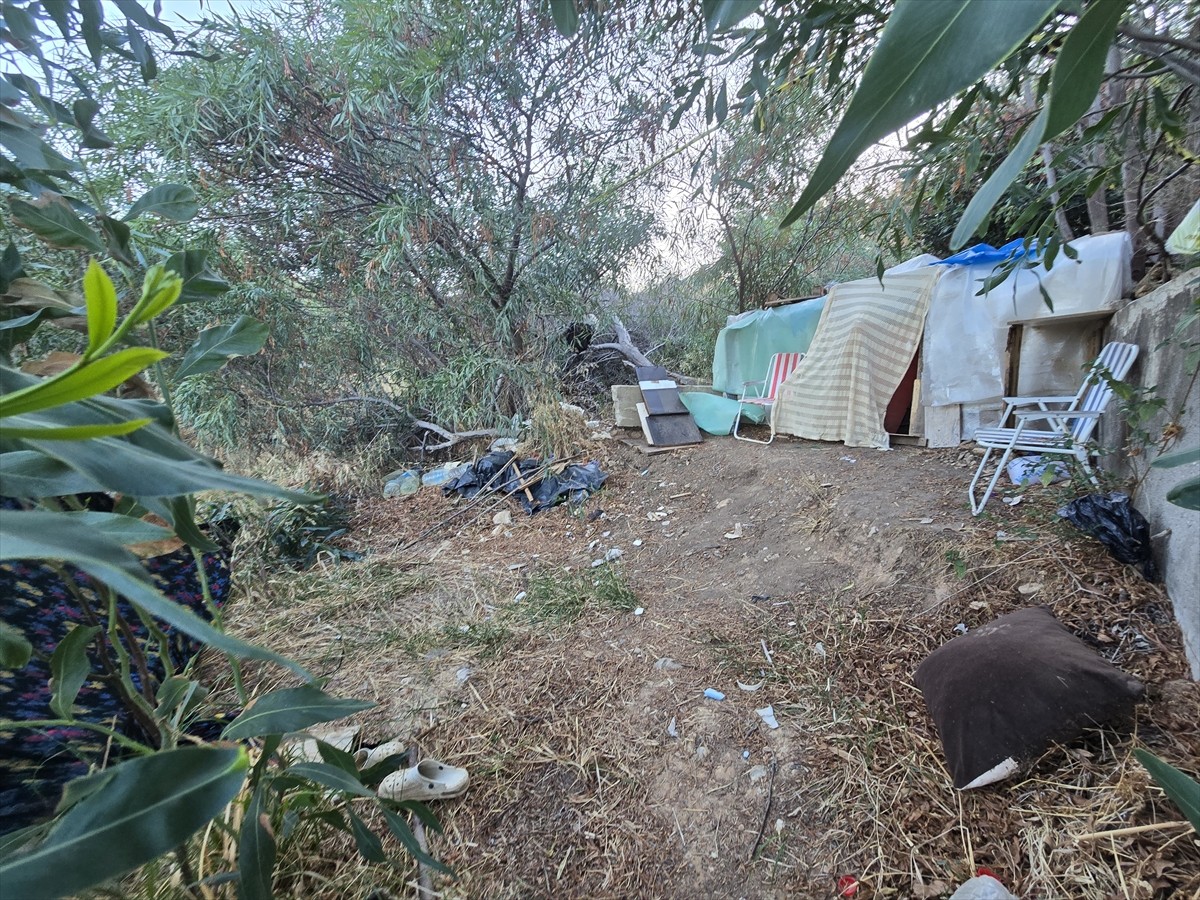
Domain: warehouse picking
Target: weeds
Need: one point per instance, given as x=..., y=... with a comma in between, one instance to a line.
x=562, y=599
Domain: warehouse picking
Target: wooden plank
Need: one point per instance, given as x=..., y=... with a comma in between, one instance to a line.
x=643, y=420
x=663, y=402
x=644, y=448
x=651, y=373
x=671, y=431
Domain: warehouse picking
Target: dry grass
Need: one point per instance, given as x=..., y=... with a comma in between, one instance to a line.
x=555, y=705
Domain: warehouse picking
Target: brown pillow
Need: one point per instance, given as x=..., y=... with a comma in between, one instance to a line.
x=1002, y=694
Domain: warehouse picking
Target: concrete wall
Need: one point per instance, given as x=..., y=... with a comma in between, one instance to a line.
x=1147, y=322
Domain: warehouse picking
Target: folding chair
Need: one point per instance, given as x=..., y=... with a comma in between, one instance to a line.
x=1070, y=421
x=782, y=365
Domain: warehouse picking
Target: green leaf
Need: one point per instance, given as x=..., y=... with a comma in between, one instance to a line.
x=1184, y=791
x=160, y=289
x=331, y=777
x=335, y=756
x=1179, y=458
x=56, y=225
x=31, y=152
x=566, y=17
x=216, y=345
x=37, y=534
x=256, y=852
x=69, y=669
x=148, y=807
x=117, y=238
x=721, y=15
x=92, y=20
x=134, y=12
x=199, y=283
x=928, y=52
x=13, y=429
x=14, y=649
x=290, y=709
x=1186, y=493
x=82, y=382
x=170, y=201
x=993, y=189
x=1079, y=68
x=403, y=833
x=101, y=299
x=123, y=529
x=369, y=846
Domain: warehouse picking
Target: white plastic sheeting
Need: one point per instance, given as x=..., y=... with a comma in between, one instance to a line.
x=966, y=335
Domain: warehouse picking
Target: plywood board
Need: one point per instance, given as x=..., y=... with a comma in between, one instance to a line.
x=671, y=431
x=663, y=402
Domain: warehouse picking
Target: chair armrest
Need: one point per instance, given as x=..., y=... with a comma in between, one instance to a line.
x=1057, y=414
x=1025, y=401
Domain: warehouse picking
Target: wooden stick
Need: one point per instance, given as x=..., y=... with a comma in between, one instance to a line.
x=1136, y=829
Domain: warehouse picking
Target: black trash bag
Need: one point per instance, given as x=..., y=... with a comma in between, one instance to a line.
x=481, y=475
x=497, y=473
x=1114, y=522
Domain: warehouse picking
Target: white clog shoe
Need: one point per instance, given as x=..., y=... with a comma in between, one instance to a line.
x=427, y=780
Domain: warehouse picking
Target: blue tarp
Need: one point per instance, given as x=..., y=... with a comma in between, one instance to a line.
x=986, y=254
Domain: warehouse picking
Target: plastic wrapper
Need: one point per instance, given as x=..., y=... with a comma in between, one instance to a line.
x=1114, y=522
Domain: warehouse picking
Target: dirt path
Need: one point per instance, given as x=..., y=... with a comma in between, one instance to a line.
x=805, y=577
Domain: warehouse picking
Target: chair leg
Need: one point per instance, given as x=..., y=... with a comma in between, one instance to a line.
x=976, y=509
x=738, y=421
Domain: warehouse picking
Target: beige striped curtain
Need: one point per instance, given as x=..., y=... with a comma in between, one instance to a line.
x=864, y=344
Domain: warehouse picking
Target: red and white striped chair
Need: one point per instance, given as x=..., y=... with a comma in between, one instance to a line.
x=782, y=365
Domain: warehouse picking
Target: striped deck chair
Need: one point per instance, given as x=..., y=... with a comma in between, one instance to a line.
x=1069, y=421
x=762, y=393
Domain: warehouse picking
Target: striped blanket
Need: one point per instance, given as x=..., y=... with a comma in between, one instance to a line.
x=864, y=344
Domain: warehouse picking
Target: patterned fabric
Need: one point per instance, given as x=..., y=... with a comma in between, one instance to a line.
x=35, y=764
x=865, y=342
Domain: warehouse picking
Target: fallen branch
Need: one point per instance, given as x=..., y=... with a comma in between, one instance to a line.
x=450, y=438
x=625, y=346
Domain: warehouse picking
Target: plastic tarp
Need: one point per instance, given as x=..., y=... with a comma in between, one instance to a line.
x=748, y=341
x=966, y=336
x=865, y=343
x=715, y=414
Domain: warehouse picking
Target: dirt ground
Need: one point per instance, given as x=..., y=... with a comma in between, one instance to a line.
x=807, y=577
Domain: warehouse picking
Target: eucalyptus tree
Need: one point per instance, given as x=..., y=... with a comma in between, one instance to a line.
x=457, y=172
x=1085, y=99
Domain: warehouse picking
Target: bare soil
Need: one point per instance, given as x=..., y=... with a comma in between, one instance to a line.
x=808, y=577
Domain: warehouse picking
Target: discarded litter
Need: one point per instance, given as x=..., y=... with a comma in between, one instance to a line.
x=1027, y=590
x=961, y=628
x=666, y=664
x=614, y=554
x=982, y=887
x=751, y=688
x=745, y=754
x=402, y=484
x=713, y=694
x=671, y=730
x=534, y=484
x=1011, y=501
x=819, y=650
x=639, y=611
x=767, y=714
x=849, y=459
x=1026, y=470
x=1114, y=522
x=463, y=674
x=442, y=474
x=736, y=532
x=504, y=517
x=638, y=542
x=757, y=773
x=520, y=596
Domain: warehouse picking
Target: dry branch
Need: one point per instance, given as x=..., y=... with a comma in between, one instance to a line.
x=625, y=346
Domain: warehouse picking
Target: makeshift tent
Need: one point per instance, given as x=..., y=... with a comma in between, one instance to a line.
x=748, y=341
x=869, y=333
x=865, y=342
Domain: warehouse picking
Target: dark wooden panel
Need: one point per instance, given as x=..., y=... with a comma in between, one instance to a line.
x=663, y=402
x=672, y=430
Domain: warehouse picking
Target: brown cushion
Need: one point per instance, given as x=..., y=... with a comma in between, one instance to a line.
x=1010, y=689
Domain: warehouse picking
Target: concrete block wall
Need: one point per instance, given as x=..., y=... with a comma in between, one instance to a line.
x=1147, y=322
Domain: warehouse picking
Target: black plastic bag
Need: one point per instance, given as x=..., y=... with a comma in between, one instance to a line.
x=1114, y=522
x=498, y=473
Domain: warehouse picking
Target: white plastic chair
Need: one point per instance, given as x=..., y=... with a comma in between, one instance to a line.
x=1070, y=421
x=781, y=366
